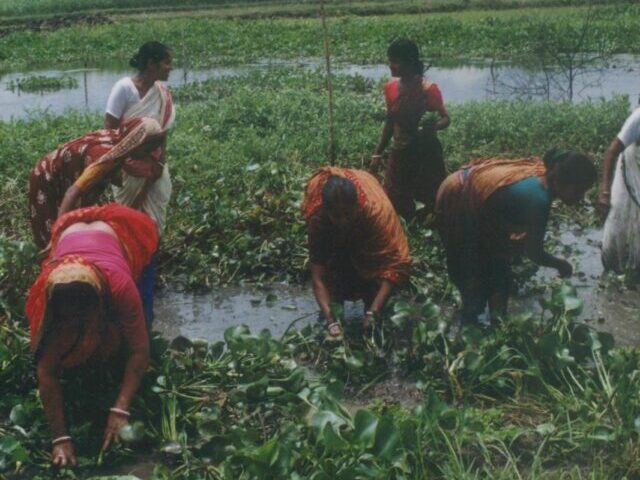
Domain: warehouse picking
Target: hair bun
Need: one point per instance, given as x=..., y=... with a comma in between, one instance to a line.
x=133, y=61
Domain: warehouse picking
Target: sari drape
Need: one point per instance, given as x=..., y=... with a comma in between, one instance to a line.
x=378, y=248
x=620, y=241
x=476, y=248
x=152, y=197
x=138, y=238
x=89, y=161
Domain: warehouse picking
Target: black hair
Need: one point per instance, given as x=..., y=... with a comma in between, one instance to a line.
x=407, y=52
x=75, y=293
x=570, y=168
x=150, y=51
x=338, y=191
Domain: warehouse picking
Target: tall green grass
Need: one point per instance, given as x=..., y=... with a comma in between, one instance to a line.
x=12, y=8
x=200, y=41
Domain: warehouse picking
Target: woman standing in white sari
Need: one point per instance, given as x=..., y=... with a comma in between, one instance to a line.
x=619, y=201
x=143, y=105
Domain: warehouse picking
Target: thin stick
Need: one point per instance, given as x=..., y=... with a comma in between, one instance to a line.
x=327, y=56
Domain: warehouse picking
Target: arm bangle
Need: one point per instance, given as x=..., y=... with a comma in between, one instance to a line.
x=120, y=411
x=62, y=439
x=369, y=313
x=376, y=156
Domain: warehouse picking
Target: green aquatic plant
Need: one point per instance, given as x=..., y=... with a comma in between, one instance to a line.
x=41, y=83
x=541, y=393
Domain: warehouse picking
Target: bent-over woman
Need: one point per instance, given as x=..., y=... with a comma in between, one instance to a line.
x=490, y=206
x=357, y=247
x=84, y=309
x=415, y=167
x=85, y=166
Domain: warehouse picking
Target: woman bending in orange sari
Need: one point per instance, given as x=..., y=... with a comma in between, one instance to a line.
x=84, y=309
x=488, y=206
x=357, y=247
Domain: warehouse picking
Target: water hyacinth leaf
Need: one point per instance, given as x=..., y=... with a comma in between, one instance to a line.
x=12, y=447
x=267, y=453
x=207, y=421
x=448, y=419
x=323, y=417
x=548, y=344
x=573, y=305
x=236, y=333
x=636, y=424
x=387, y=438
x=200, y=343
x=355, y=361
x=271, y=298
x=132, y=433
x=332, y=439
x=546, y=429
x=365, y=425
x=181, y=344
x=18, y=416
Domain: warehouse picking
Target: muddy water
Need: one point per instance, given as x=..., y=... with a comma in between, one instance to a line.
x=208, y=315
x=607, y=307
x=463, y=82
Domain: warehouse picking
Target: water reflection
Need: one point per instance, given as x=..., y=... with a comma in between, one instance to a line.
x=459, y=82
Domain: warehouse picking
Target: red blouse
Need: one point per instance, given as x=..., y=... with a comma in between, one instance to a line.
x=406, y=108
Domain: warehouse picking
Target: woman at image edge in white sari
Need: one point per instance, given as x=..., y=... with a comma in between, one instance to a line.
x=619, y=202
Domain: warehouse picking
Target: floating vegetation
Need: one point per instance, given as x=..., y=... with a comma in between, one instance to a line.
x=535, y=397
x=41, y=83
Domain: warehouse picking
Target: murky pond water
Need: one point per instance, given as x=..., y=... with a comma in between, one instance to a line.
x=460, y=83
x=611, y=308
x=276, y=307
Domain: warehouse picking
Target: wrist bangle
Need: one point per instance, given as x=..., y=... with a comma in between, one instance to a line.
x=64, y=438
x=120, y=411
x=369, y=313
x=376, y=156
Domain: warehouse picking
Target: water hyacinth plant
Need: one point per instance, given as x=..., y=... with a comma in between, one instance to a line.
x=544, y=393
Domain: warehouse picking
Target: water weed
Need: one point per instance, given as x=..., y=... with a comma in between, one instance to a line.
x=199, y=41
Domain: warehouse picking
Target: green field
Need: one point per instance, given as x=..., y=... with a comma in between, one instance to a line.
x=203, y=41
x=538, y=397
x=37, y=8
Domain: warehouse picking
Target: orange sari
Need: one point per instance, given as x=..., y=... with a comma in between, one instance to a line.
x=477, y=249
x=377, y=247
x=138, y=238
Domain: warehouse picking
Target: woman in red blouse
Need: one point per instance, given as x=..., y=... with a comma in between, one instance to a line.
x=416, y=166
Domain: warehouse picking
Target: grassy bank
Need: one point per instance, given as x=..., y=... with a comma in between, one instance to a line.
x=199, y=41
x=243, y=148
x=39, y=8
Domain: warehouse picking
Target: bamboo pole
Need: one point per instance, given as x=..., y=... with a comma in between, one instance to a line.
x=327, y=55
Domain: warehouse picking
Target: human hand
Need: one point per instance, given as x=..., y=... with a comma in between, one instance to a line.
x=603, y=205
x=64, y=454
x=564, y=268
x=111, y=432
